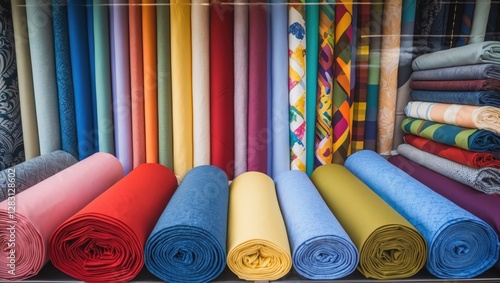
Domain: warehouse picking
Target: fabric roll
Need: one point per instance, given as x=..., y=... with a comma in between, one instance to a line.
x=76, y=246
x=201, y=76
x=461, y=85
x=462, y=156
x=430, y=22
x=269, y=102
x=240, y=38
x=484, y=117
x=80, y=65
x=25, y=80
x=182, y=114
x=492, y=21
x=486, y=180
x=46, y=205
x=150, y=80
x=297, y=84
x=455, y=13
x=220, y=100
x=477, y=98
x=262, y=252
x=279, y=74
x=321, y=248
x=137, y=83
x=198, y=234
x=120, y=79
x=389, y=60
x=33, y=171
x=376, y=229
x=90, y=30
x=479, y=21
x=467, y=72
x=165, y=138
x=483, y=206
x=67, y=116
x=312, y=43
x=478, y=53
x=465, y=27
x=372, y=94
x=103, y=77
x=41, y=41
x=460, y=245
x=465, y=138
x=257, y=143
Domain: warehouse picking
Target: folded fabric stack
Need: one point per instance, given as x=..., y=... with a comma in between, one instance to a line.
x=453, y=124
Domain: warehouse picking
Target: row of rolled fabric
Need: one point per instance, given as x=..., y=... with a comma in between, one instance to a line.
x=453, y=122
x=96, y=225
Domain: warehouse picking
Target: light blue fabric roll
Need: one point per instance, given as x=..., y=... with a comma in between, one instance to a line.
x=279, y=73
x=321, y=249
x=460, y=244
x=188, y=243
x=41, y=38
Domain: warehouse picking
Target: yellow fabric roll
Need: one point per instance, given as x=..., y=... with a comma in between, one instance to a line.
x=182, y=113
x=389, y=246
x=257, y=242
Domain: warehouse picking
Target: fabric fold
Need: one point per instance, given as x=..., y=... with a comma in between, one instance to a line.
x=46, y=205
x=189, y=245
x=458, y=85
x=321, y=248
x=477, y=98
x=460, y=245
x=377, y=230
x=467, y=72
x=257, y=243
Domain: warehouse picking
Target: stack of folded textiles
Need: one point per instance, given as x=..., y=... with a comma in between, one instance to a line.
x=453, y=124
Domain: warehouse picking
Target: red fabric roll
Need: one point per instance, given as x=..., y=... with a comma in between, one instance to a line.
x=104, y=242
x=462, y=156
x=486, y=84
x=257, y=88
x=222, y=87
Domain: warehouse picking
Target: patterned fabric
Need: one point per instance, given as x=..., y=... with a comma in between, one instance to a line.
x=479, y=98
x=455, y=13
x=297, y=85
x=461, y=85
x=466, y=24
x=11, y=133
x=342, y=120
x=486, y=180
x=426, y=13
x=469, y=139
x=323, y=137
x=361, y=74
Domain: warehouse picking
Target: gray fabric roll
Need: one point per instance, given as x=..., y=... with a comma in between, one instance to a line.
x=469, y=72
x=486, y=180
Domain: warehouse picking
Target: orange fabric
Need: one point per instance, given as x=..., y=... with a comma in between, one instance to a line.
x=104, y=241
x=150, y=82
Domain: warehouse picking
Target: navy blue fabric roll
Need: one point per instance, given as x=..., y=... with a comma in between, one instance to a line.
x=64, y=77
x=188, y=243
x=90, y=30
x=80, y=64
x=460, y=245
x=467, y=72
x=479, y=98
x=321, y=249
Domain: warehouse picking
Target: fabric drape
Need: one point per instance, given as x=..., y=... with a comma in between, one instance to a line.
x=466, y=24
x=189, y=245
x=479, y=21
x=445, y=226
x=93, y=87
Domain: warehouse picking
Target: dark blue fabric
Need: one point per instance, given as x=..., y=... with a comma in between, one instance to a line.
x=80, y=63
x=466, y=23
x=11, y=132
x=460, y=244
x=479, y=98
x=321, y=249
x=188, y=243
x=90, y=30
x=64, y=77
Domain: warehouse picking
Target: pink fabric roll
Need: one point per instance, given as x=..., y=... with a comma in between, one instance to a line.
x=24, y=236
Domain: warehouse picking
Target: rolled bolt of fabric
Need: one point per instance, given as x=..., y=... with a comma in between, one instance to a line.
x=257, y=242
x=460, y=245
x=467, y=72
x=188, y=243
x=389, y=246
x=105, y=240
x=321, y=248
x=32, y=172
x=45, y=206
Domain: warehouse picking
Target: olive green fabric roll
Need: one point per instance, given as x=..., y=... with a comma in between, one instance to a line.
x=389, y=246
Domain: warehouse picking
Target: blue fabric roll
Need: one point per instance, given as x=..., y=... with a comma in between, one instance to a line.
x=64, y=77
x=321, y=249
x=90, y=30
x=466, y=72
x=460, y=244
x=80, y=64
x=479, y=98
x=188, y=243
